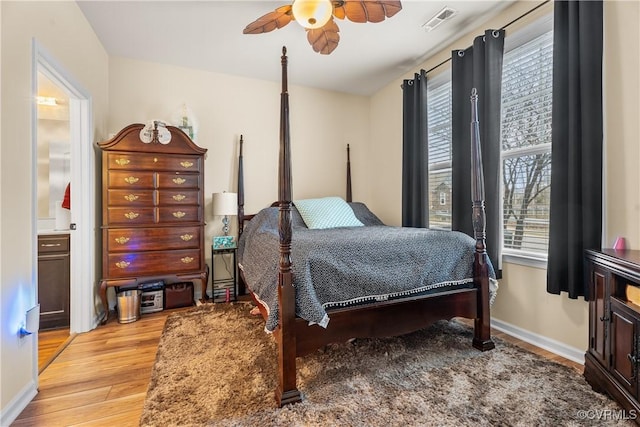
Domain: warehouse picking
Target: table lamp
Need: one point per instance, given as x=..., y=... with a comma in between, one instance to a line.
x=224, y=204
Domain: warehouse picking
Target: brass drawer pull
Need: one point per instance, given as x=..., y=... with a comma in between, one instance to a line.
x=179, y=214
x=186, y=237
x=179, y=180
x=187, y=259
x=122, y=264
x=132, y=215
x=131, y=180
x=186, y=164
x=121, y=240
x=123, y=162
x=179, y=197
x=50, y=245
x=131, y=197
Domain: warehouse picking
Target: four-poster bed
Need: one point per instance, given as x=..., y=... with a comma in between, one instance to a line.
x=394, y=312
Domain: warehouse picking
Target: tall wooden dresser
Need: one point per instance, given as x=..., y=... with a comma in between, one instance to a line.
x=152, y=209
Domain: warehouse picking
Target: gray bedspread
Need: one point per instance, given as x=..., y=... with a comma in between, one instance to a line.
x=344, y=266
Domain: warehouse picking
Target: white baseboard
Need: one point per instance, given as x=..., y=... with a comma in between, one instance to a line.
x=17, y=404
x=561, y=349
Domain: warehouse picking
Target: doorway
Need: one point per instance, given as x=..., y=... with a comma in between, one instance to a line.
x=72, y=149
x=54, y=215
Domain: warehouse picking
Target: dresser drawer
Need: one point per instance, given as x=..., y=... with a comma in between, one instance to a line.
x=131, y=216
x=178, y=214
x=133, y=264
x=130, y=179
x=159, y=238
x=53, y=243
x=178, y=180
x=179, y=197
x=154, y=162
x=130, y=197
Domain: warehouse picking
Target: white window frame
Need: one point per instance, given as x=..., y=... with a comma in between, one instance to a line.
x=512, y=41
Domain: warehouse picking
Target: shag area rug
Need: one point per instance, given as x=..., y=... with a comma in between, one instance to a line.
x=216, y=366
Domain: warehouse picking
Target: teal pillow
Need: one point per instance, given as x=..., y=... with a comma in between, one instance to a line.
x=327, y=212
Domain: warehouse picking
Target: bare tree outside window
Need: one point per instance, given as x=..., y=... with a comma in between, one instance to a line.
x=526, y=144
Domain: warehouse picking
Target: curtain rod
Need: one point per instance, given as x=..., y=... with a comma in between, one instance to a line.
x=503, y=27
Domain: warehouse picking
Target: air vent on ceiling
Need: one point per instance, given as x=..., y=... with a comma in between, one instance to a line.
x=444, y=15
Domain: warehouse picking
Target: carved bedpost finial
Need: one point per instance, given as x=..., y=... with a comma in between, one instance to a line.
x=284, y=61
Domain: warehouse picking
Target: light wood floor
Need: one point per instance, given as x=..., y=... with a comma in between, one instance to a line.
x=101, y=377
x=50, y=344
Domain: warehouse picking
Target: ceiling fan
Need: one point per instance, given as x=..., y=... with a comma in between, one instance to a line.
x=317, y=17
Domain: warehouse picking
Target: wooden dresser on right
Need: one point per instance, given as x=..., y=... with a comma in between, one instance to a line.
x=612, y=361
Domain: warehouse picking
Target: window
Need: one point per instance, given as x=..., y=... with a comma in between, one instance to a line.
x=439, y=129
x=526, y=142
x=526, y=145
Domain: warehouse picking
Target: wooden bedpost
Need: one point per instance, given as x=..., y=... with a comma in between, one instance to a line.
x=287, y=391
x=242, y=287
x=482, y=326
x=240, y=190
x=349, y=198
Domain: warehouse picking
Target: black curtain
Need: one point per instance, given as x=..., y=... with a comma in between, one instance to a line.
x=480, y=67
x=415, y=152
x=576, y=144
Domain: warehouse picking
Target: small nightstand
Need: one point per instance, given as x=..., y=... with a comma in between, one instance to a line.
x=224, y=288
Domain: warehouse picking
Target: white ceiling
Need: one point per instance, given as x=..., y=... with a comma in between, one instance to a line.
x=208, y=35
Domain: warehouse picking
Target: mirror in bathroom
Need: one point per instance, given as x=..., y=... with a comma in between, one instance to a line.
x=54, y=154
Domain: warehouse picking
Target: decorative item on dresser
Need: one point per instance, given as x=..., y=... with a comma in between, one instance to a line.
x=152, y=209
x=613, y=357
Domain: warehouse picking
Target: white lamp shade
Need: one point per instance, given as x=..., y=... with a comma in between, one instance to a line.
x=225, y=204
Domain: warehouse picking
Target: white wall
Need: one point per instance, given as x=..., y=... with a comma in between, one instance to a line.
x=522, y=301
x=622, y=127
x=225, y=106
x=62, y=30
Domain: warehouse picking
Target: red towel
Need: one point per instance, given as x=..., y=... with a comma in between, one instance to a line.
x=66, y=202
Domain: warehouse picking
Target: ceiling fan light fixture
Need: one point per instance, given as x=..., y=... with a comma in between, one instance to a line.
x=312, y=14
x=46, y=100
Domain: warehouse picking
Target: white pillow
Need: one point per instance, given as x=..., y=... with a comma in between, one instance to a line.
x=327, y=212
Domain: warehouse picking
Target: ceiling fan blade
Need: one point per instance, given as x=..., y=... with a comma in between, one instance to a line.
x=324, y=40
x=370, y=10
x=271, y=21
x=338, y=9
